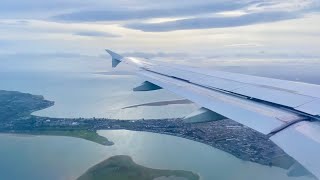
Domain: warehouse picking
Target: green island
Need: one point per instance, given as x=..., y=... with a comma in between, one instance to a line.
x=124, y=168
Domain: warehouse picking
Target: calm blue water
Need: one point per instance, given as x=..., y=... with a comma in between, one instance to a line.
x=92, y=95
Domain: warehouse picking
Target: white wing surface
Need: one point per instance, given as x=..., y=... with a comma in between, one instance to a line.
x=287, y=111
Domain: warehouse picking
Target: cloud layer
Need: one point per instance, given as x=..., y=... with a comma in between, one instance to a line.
x=213, y=22
x=124, y=14
x=208, y=14
x=215, y=28
x=95, y=34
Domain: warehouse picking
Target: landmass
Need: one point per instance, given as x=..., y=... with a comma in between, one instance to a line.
x=227, y=135
x=15, y=117
x=124, y=168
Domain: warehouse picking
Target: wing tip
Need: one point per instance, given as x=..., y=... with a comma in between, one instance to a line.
x=116, y=58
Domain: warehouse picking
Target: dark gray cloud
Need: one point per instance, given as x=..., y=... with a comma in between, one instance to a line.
x=213, y=22
x=197, y=14
x=109, y=14
x=95, y=34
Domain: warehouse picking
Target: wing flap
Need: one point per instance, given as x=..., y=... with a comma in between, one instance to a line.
x=311, y=107
x=302, y=142
x=274, y=95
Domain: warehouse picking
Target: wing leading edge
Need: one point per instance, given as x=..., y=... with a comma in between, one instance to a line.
x=287, y=111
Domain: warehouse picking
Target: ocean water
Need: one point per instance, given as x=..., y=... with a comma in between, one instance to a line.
x=93, y=95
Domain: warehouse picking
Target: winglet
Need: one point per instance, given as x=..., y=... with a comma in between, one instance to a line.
x=116, y=58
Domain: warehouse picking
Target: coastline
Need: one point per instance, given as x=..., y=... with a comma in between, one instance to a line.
x=226, y=135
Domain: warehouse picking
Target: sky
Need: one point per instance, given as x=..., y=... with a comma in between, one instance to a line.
x=174, y=29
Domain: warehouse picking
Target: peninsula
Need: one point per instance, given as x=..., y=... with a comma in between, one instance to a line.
x=227, y=135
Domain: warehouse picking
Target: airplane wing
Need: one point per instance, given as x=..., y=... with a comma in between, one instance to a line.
x=287, y=111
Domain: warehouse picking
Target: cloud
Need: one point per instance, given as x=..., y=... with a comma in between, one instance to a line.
x=153, y=55
x=45, y=29
x=14, y=23
x=95, y=34
x=213, y=22
x=75, y=9
x=121, y=14
x=192, y=15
